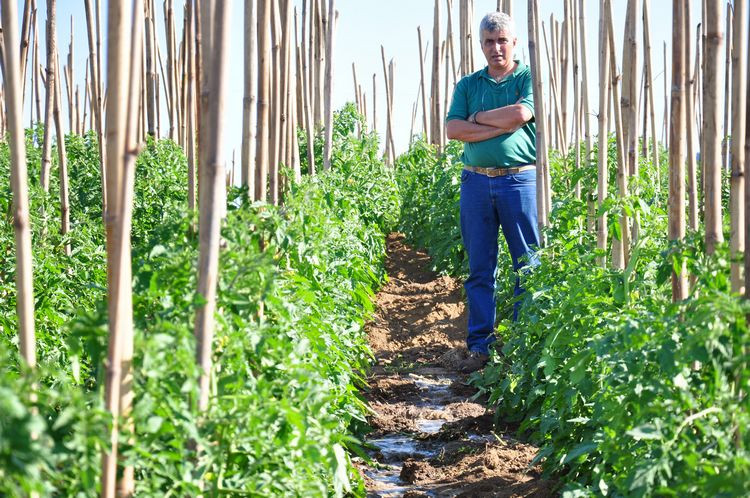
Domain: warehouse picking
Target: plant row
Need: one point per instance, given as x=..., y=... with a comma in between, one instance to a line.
x=625, y=392
x=295, y=287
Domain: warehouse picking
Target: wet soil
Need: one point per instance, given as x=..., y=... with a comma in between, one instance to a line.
x=432, y=435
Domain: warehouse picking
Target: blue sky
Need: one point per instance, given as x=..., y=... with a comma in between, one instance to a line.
x=362, y=27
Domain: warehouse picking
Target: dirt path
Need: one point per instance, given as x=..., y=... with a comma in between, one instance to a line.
x=431, y=439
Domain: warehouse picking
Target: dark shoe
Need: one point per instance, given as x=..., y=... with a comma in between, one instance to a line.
x=475, y=361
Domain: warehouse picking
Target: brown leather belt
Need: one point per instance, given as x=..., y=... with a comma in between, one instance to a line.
x=493, y=172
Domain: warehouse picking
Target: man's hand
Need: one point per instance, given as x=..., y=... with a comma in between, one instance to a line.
x=489, y=124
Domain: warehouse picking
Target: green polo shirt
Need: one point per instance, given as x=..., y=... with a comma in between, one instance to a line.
x=480, y=92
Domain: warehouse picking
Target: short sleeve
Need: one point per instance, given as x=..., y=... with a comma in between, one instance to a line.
x=527, y=92
x=459, y=103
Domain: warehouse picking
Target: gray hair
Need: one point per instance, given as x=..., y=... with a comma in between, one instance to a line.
x=497, y=21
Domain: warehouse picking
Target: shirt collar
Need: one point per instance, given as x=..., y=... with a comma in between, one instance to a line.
x=485, y=73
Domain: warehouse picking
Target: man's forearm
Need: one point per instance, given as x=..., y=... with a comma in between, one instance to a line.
x=459, y=129
x=509, y=118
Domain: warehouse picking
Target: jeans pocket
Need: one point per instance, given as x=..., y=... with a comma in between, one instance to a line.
x=525, y=177
x=465, y=175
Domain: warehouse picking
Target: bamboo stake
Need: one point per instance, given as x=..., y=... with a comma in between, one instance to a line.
x=711, y=156
x=727, y=87
x=321, y=37
x=446, y=102
x=328, y=143
x=264, y=96
x=586, y=111
x=92, y=30
x=289, y=86
x=36, y=70
x=308, y=107
x=123, y=65
x=565, y=69
x=604, y=99
x=33, y=71
x=19, y=185
x=576, y=96
x=69, y=80
x=554, y=93
x=249, y=101
x=49, y=98
x=391, y=74
x=387, y=105
x=436, y=131
x=191, y=105
x=151, y=78
x=677, y=145
x=541, y=133
x=667, y=113
x=422, y=86
x=29, y=9
x=629, y=101
x=737, y=153
x=649, y=78
x=54, y=89
x=621, y=246
x=692, y=140
x=214, y=53
x=275, y=109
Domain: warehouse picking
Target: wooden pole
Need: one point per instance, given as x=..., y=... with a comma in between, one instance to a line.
x=49, y=98
x=275, y=109
x=54, y=90
x=151, y=79
x=727, y=88
x=92, y=29
x=603, y=147
x=214, y=53
x=436, y=131
x=328, y=102
x=323, y=21
x=191, y=16
x=629, y=103
x=249, y=100
x=676, y=141
x=711, y=156
x=387, y=105
x=29, y=12
x=737, y=152
x=541, y=134
x=19, y=184
x=264, y=96
x=621, y=246
x=391, y=77
x=425, y=112
x=36, y=70
x=565, y=70
x=123, y=68
x=649, y=78
x=692, y=140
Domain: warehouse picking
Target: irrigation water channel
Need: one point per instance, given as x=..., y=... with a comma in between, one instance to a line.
x=432, y=434
x=392, y=450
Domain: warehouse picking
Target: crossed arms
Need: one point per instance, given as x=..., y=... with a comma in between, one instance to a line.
x=489, y=124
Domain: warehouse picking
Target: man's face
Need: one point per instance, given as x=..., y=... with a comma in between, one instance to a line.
x=497, y=47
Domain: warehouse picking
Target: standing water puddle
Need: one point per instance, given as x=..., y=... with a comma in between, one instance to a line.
x=391, y=451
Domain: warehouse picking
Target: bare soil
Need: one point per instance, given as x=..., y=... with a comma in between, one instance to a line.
x=432, y=435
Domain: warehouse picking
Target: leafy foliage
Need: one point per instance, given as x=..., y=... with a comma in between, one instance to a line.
x=295, y=288
x=627, y=393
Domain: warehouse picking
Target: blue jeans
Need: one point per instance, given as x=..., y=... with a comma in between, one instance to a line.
x=488, y=204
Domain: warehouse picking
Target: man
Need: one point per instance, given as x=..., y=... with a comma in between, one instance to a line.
x=492, y=112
